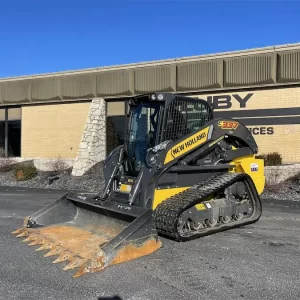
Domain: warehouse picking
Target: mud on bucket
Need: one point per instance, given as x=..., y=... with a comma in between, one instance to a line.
x=89, y=237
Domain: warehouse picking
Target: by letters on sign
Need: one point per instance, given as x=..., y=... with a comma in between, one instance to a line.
x=225, y=101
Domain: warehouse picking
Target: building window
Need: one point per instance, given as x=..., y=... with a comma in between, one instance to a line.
x=115, y=132
x=116, y=123
x=10, y=132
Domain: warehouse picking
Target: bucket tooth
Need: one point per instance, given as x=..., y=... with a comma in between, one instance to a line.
x=24, y=233
x=32, y=237
x=64, y=257
x=18, y=231
x=82, y=271
x=45, y=246
x=56, y=250
x=36, y=242
x=78, y=262
x=28, y=239
x=94, y=265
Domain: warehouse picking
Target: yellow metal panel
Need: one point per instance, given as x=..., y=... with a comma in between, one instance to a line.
x=125, y=188
x=188, y=144
x=200, y=206
x=253, y=167
x=163, y=194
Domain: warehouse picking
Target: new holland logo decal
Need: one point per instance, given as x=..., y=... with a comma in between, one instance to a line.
x=189, y=143
x=186, y=145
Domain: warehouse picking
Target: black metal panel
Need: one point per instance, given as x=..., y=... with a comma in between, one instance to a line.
x=106, y=207
x=189, y=178
x=240, y=134
x=201, y=169
x=138, y=231
x=59, y=211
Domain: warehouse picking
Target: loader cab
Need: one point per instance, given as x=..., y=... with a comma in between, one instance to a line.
x=144, y=129
x=158, y=117
x=152, y=120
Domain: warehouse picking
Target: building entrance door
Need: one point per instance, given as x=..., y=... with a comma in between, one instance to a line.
x=116, y=124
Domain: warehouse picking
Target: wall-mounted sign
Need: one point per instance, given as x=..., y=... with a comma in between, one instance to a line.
x=225, y=101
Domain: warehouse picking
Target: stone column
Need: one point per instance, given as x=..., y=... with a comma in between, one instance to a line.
x=92, y=148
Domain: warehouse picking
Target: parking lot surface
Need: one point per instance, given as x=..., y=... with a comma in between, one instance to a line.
x=260, y=261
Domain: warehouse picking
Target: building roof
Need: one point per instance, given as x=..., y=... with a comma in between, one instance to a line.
x=271, y=65
x=251, y=51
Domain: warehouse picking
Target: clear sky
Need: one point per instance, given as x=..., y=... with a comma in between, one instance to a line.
x=38, y=36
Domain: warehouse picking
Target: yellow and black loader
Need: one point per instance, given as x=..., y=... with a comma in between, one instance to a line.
x=181, y=173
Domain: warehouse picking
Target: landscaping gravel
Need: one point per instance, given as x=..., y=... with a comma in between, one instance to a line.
x=93, y=182
x=289, y=190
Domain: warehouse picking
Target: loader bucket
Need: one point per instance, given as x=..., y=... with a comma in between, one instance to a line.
x=89, y=237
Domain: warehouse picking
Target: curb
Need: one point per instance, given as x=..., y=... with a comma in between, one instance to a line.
x=18, y=189
x=284, y=203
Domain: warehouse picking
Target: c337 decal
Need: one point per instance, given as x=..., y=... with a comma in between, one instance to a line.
x=228, y=124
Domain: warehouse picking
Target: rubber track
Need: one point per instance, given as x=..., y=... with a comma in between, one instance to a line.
x=168, y=212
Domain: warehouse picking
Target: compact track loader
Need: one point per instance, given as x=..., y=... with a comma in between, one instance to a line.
x=181, y=174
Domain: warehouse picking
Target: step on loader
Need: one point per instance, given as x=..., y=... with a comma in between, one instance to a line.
x=181, y=174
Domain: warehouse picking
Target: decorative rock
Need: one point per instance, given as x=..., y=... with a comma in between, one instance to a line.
x=83, y=145
x=92, y=146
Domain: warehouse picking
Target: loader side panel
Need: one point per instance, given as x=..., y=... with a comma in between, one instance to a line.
x=254, y=167
x=222, y=146
x=208, y=136
x=161, y=194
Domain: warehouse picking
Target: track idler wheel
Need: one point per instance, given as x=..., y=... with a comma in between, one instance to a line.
x=238, y=217
x=225, y=220
x=196, y=226
x=211, y=223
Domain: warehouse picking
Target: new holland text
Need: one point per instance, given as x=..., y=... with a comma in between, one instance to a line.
x=188, y=144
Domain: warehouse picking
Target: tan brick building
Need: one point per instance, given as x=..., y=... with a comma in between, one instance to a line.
x=272, y=115
x=61, y=114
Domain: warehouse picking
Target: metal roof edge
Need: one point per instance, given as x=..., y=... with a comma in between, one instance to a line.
x=250, y=51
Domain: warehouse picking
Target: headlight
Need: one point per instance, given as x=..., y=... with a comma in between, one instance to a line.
x=160, y=97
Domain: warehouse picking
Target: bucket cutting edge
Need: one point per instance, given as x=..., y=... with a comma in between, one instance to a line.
x=89, y=237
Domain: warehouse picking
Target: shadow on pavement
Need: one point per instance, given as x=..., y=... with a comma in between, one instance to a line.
x=110, y=298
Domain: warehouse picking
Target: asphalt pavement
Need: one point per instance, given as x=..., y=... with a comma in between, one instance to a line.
x=259, y=261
